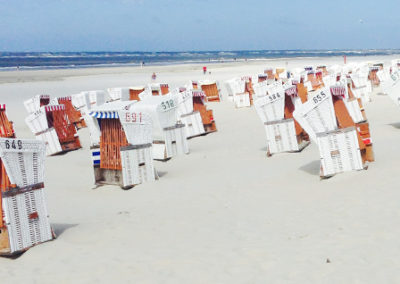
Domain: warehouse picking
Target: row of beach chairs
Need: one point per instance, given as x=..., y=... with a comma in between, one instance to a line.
x=127, y=132
x=323, y=105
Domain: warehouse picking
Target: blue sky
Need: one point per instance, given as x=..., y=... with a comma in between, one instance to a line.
x=175, y=25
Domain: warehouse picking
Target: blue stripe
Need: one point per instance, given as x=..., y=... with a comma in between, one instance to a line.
x=96, y=162
x=96, y=153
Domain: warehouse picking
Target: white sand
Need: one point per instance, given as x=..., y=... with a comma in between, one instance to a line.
x=223, y=214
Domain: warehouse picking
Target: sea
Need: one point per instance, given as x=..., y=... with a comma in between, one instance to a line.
x=63, y=60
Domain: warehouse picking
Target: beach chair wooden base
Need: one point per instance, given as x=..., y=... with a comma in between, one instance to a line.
x=71, y=146
x=210, y=128
x=281, y=137
x=27, y=219
x=80, y=124
x=107, y=176
x=175, y=143
x=339, y=151
x=367, y=154
x=137, y=167
x=193, y=124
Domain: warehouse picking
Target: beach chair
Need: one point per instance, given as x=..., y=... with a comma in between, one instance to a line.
x=51, y=125
x=391, y=87
x=187, y=116
x=323, y=69
x=373, y=77
x=106, y=155
x=316, y=82
x=74, y=115
x=326, y=116
x=134, y=92
x=124, y=155
x=211, y=89
x=33, y=104
x=169, y=136
x=262, y=78
x=207, y=116
x=270, y=73
x=242, y=91
x=361, y=86
x=24, y=220
x=281, y=131
x=164, y=89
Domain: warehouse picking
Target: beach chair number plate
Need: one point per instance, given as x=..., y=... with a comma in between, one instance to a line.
x=10, y=144
x=274, y=97
x=166, y=105
x=132, y=117
x=318, y=98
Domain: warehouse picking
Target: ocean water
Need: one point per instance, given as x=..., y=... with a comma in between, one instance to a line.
x=58, y=60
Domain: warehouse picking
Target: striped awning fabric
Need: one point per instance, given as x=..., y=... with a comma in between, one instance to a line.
x=2, y=106
x=65, y=98
x=338, y=91
x=50, y=108
x=198, y=93
x=104, y=114
x=163, y=85
x=291, y=91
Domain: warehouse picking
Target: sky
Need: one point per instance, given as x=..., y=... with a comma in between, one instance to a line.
x=193, y=25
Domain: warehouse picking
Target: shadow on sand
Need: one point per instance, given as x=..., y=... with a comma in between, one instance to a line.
x=395, y=125
x=311, y=168
x=58, y=228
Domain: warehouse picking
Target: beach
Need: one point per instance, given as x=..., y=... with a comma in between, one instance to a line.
x=225, y=213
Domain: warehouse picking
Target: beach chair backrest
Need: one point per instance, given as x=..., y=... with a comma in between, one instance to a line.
x=272, y=106
x=137, y=126
x=119, y=94
x=185, y=103
x=163, y=112
x=33, y=104
x=317, y=114
x=23, y=160
x=260, y=89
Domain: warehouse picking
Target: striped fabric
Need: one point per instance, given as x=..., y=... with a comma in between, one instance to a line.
x=96, y=157
x=64, y=98
x=291, y=91
x=104, y=114
x=198, y=93
x=338, y=91
x=163, y=85
x=50, y=108
x=2, y=106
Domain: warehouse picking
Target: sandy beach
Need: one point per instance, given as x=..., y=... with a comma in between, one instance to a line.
x=225, y=213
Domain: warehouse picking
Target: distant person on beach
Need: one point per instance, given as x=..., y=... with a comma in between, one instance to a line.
x=204, y=69
x=154, y=76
